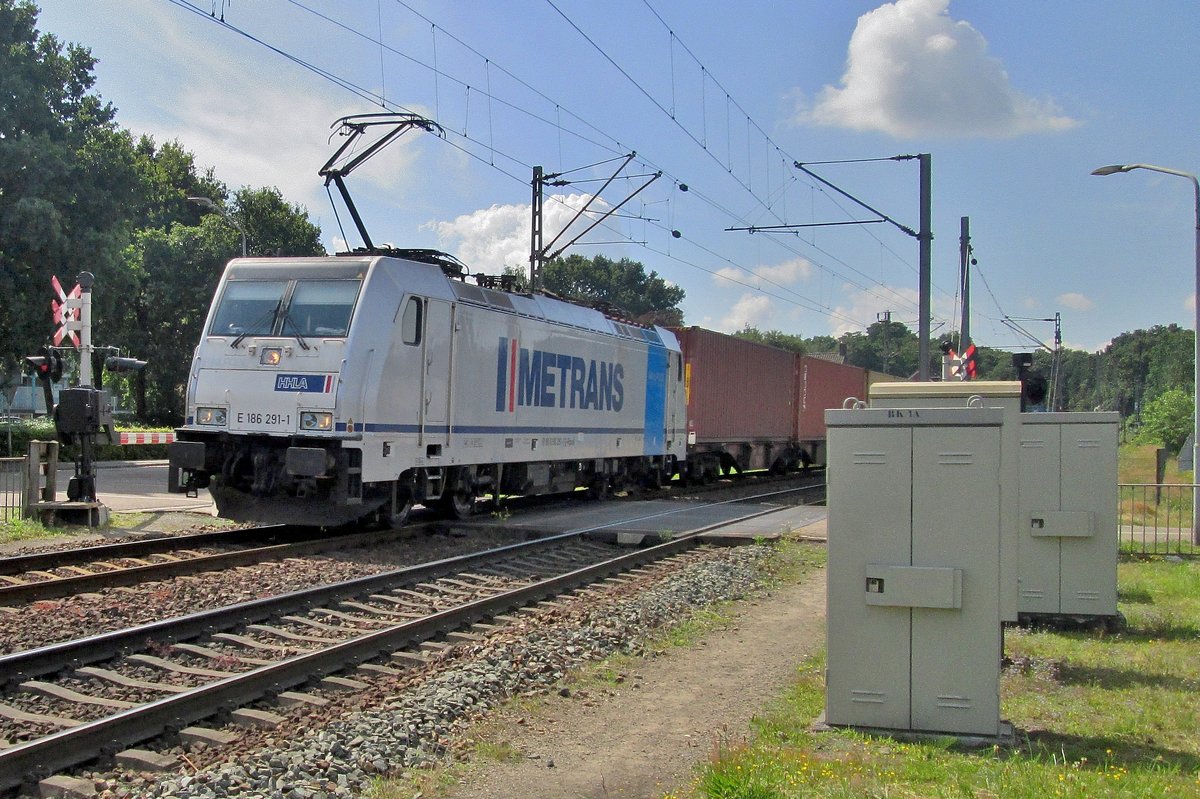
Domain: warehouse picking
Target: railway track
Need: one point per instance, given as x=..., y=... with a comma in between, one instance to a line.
x=807, y=488
x=68, y=703
x=49, y=575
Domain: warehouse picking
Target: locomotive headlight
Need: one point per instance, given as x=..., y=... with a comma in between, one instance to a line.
x=271, y=356
x=312, y=420
x=214, y=417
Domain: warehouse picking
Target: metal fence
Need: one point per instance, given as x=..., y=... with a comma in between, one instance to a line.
x=11, y=488
x=1156, y=518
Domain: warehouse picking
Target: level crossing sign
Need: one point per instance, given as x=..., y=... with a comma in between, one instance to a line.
x=67, y=311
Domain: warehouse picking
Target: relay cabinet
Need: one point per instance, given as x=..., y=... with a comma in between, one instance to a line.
x=914, y=633
x=1002, y=394
x=1068, y=547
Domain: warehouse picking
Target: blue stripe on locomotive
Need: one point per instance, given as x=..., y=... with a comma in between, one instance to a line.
x=657, y=360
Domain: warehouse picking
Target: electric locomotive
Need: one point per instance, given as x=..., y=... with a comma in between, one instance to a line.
x=346, y=388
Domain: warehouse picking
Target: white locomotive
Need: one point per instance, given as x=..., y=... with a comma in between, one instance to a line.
x=334, y=389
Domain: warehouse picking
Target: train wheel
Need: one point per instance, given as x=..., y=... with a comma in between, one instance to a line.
x=460, y=504
x=400, y=508
x=600, y=488
x=459, y=497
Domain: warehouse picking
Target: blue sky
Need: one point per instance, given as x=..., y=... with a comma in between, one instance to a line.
x=1017, y=102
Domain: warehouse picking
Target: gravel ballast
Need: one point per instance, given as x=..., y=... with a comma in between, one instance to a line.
x=420, y=725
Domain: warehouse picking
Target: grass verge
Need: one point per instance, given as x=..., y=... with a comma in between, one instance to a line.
x=1097, y=715
x=24, y=530
x=1166, y=512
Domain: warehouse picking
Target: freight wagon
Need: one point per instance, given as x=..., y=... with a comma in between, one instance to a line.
x=754, y=406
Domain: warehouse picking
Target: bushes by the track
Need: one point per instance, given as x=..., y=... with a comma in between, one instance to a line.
x=42, y=429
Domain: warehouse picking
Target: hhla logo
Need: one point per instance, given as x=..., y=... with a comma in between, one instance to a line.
x=312, y=384
x=542, y=379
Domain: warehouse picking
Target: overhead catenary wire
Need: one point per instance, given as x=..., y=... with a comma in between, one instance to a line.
x=894, y=298
x=378, y=100
x=750, y=120
x=790, y=295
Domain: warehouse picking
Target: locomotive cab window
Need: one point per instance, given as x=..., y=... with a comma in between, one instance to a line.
x=410, y=323
x=322, y=307
x=248, y=307
x=309, y=308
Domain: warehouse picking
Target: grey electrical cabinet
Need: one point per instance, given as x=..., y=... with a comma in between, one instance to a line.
x=914, y=634
x=1005, y=395
x=1068, y=489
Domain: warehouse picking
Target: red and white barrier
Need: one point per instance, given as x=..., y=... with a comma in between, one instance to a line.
x=147, y=438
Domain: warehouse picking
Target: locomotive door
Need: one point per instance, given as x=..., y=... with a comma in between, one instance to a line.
x=675, y=400
x=439, y=341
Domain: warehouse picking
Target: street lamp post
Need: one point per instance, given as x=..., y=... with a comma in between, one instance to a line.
x=1112, y=170
x=208, y=204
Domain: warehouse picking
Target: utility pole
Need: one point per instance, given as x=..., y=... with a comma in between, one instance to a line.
x=964, y=258
x=536, y=251
x=886, y=318
x=924, y=237
x=86, y=280
x=925, y=280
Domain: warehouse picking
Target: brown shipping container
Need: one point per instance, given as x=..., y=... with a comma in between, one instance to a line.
x=823, y=385
x=737, y=390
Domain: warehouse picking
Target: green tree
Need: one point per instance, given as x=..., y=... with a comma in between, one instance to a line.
x=885, y=347
x=176, y=272
x=1142, y=364
x=66, y=174
x=775, y=338
x=647, y=298
x=273, y=225
x=1167, y=419
x=79, y=193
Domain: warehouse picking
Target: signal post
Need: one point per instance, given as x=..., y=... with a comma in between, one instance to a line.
x=83, y=415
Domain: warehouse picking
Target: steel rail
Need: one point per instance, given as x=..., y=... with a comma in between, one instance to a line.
x=133, y=549
x=19, y=666
x=25, y=763
x=66, y=586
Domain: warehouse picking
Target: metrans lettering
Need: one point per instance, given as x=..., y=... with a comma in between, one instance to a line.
x=542, y=379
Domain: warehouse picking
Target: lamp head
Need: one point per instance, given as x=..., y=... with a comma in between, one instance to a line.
x=203, y=202
x=1111, y=170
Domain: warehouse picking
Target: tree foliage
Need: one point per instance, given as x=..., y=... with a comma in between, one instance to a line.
x=1143, y=364
x=888, y=347
x=66, y=173
x=776, y=338
x=78, y=193
x=647, y=298
x=1168, y=419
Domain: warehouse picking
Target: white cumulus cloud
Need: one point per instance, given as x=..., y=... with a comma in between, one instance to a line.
x=912, y=70
x=864, y=307
x=1076, y=301
x=254, y=131
x=794, y=271
x=493, y=238
x=751, y=309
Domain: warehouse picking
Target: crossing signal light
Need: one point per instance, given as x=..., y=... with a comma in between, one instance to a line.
x=48, y=365
x=116, y=364
x=37, y=365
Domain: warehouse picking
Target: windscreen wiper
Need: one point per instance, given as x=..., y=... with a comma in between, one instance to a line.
x=288, y=320
x=271, y=314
